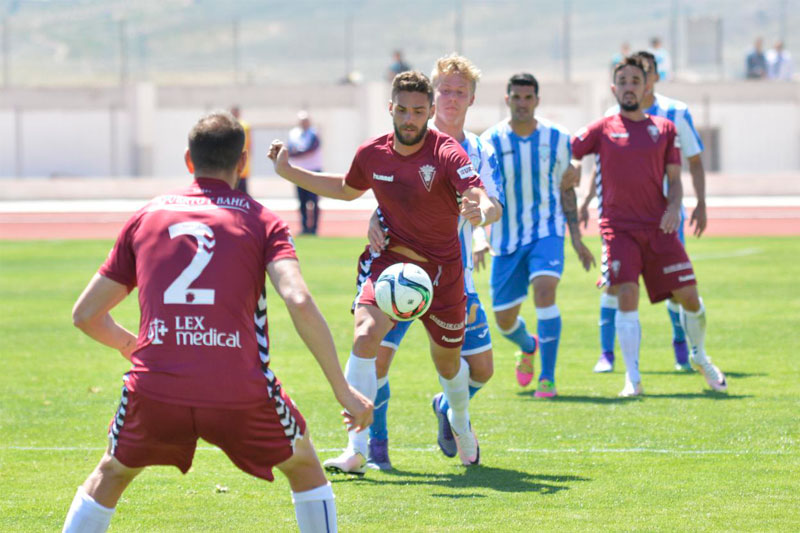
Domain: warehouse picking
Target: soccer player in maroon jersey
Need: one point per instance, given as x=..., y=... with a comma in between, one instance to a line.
x=417, y=176
x=200, y=362
x=638, y=224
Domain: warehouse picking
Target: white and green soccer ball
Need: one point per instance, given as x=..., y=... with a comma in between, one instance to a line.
x=404, y=291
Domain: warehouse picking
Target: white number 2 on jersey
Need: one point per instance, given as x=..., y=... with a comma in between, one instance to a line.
x=179, y=292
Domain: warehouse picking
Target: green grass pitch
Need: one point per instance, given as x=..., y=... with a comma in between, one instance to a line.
x=679, y=459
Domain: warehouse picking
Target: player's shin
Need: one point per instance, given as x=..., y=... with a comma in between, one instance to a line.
x=360, y=373
x=474, y=387
x=608, y=312
x=549, y=330
x=86, y=515
x=315, y=510
x=694, y=323
x=519, y=335
x=630, y=335
x=456, y=390
x=674, y=310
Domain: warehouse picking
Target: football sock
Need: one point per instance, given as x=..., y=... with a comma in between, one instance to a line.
x=630, y=335
x=519, y=335
x=456, y=391
x=549, y=329
x=360, y=373
x=86, y=515
x=315, y=510
x=674, y=310
x=695, y=326
x=608, y=310
x=474, y=387
x=379, y=430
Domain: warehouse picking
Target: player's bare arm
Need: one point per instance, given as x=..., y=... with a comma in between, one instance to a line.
x=478, y=208
x=672, y=216
x=91, y=314
x=569, y=204
x=480, y=247
x=323, y=184
x=572, y=175
x=378, y=240
x=583, y=211
x=311, y=326
x=699, y=217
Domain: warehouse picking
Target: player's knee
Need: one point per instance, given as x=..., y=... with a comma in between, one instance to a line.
x=481, y=369
x=505, y=321
x=110, y=470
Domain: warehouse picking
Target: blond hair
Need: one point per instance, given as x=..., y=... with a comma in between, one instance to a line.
x=456, y=64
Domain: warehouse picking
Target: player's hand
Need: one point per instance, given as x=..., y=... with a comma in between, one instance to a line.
x=571, y=177
x=583, y=215
x=357, y=411
x=699, y=218
x=479, y=257
x=471, y=210
x=671, y=219
x=377, y=237
x=585, y=255
x=279, y=155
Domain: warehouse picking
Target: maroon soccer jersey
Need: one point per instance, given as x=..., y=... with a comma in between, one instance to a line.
x=418, y=194
x=199, y=257
x=633, y=160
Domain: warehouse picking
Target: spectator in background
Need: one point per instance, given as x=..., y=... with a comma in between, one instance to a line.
x=398, y=65
x=619, y=57
x=779, y=63
x=662, y=58
x=248, y=146
x=304, y=152
x=756, y=62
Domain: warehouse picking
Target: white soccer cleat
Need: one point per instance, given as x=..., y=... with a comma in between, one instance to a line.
x=604, y=364
x=468, y=449
x=714, y=376
x=348, y=463
x=631, y=390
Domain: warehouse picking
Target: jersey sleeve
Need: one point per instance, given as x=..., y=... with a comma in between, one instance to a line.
x=490, y=172
x=279, y=243
x=356, y=177
x=673, y=152
x=587, y=140
x=459, y=168
x=691, y=144
x=563, y=157
x=120, y=265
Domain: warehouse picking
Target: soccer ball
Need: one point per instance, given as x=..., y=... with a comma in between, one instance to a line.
x=404, y=291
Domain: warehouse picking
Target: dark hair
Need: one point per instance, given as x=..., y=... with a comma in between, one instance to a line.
x=523, y=78
x=630, y=61
x=648, y=59
x=216, y=142
x=412, y=81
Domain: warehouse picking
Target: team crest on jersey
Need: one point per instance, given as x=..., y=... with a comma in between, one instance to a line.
x=615, y=266
x=427, y=173
x=652, y=129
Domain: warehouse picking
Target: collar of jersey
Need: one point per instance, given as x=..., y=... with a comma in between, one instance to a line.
x=211, y=183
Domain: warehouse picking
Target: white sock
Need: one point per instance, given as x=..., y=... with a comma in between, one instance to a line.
x=457, y=392
x=86, y=515
x=694, y=324
x=315, y=510
x=360, y=373
x=608, y=300
x=629, y=333
x=675, y=307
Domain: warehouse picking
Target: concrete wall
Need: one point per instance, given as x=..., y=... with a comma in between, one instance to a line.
x=141, y=130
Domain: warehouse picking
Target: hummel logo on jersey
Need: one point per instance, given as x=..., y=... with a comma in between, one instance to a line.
x=155, y=331
x=427, y=173
x=381, y=177
x=465, y=172
x=652, y=129
x=620, y=135
x=687, y=277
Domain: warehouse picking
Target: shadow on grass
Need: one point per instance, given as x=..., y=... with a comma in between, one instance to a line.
x=481, y=476
x=607, y=400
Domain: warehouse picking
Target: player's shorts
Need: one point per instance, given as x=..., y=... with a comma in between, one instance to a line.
x=512, y=274
x=659, y=257
x=477, y=338
x=147, y=432
x=444, y=320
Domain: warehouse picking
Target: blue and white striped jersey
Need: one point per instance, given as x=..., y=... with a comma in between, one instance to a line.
x=531, y=170
x=484, y=160
x=678, y=113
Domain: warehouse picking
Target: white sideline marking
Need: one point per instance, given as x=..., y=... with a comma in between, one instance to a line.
x=431, y=449
x=726, y=255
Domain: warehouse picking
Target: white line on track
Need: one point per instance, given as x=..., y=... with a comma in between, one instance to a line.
x=433, y=449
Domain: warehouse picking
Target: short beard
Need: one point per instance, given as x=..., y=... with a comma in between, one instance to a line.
x=629, y=107
x=398, y=135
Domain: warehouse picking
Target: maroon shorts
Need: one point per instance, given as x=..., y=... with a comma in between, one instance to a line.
x=444, y=320
x=147, y=432
x=659, y=257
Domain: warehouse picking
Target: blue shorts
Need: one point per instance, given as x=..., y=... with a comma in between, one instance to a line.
x=476, y=335
x=681, y=236
x=513, y=273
